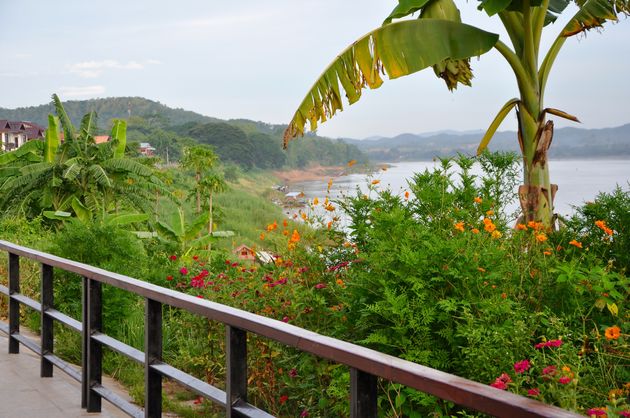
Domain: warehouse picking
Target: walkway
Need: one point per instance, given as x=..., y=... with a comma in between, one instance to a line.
x=23, y=394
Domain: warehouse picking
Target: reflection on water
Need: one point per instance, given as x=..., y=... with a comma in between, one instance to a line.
x=578, y=181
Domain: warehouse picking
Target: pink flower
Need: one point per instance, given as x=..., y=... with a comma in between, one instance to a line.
x=183, y=271
x=539, y=346
x=320, y=285
x=293, y=373
x=553, y=343
x=521, y=366
x=625, y=414
x=598, y=412
x=304, y=413
x=533, y=392
x=564, y=380
x=173, y=258
x=285, y=319
x=549, y=370
x=505, y=378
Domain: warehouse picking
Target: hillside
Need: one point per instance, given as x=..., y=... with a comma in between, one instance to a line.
x=243, y=142
x=567, y=143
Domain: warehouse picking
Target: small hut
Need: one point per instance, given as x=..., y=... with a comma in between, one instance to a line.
x=243, y=252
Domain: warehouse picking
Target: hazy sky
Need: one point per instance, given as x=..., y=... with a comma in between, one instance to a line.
x=257, y=59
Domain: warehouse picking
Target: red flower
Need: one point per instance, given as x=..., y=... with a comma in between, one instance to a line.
x=283, y=399
x=521, y=366
x=598, y=412
x=533, y=392
x=173, y=257
x=293, y=373
x=198, y=400
x=564, y=380
x=169, y=278
x=285, y=319
x=549, y=344
x=499, y=384
x=183, y=271
x=195, y=257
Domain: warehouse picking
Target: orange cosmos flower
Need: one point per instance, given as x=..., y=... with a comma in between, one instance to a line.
x=541, y=237
x=602, y=225
x=295, y=237
x=490, y=212
x=459, y=226
x=285, y=232
x=329, y=225
x=575, y=243
x=521, y=227
x=303, y=215
x=272, y=226
x=262, y=236
x=478, y=200
x=351, y=163
x=613, y=333
x=330, y=184
x=375, y=182
x=330, y=208
x=285, y=223
x=475, y=231
x=315, y=202
x=488, y=225
x=547, y=252
x=406, y=195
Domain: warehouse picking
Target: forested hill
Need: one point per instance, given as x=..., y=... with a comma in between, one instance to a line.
x=107, y=109
x=567, y=143
x=243, y=142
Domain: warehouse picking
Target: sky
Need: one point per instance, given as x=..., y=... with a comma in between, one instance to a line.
x=257, y=59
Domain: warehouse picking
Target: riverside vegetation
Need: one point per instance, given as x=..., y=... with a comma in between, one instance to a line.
x=437, y=274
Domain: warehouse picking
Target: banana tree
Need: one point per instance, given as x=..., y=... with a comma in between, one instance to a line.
x=438, y=39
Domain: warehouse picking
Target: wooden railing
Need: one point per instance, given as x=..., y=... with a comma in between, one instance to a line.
x=365, y=365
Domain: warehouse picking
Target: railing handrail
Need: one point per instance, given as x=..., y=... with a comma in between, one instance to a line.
x=468, y=393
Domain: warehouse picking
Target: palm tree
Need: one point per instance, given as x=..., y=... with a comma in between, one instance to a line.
x=438, y=39
x=199, y=159
x=211, y=183
x=79, y=175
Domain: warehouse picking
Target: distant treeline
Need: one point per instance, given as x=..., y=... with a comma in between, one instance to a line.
x=245, y=143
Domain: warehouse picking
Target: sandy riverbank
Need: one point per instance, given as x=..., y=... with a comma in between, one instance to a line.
x=315, y=172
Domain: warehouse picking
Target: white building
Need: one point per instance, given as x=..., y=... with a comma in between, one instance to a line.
x=14, y=134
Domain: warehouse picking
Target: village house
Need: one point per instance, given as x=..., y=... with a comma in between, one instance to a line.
x=146, y=149
x=14, y=134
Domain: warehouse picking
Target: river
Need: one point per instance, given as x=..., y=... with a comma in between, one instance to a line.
x=578, y=181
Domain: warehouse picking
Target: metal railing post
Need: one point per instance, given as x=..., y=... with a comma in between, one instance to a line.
x=14, y=305
x=153, y=353
x=363, y=394
x=95, y=351
x=85, y=337
x=236, y=369
x=46, y=369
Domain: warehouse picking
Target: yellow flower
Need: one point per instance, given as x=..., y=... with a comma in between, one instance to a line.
x=303, y=215
x=575, y=243
x=315, y=202
x=459, y=226
x=330, y=184
x=496, y=234
x=612, y=333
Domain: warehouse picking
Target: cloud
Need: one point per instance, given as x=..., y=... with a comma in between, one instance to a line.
x=93, y=69
x=81, y=91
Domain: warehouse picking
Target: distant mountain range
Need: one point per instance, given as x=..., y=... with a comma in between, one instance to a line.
x=567, y=143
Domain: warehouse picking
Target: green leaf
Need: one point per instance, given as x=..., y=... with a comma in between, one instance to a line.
x=88, y=125
x=405, y=8
x=561, y=114
x=119, y=137
x=52, y=140
x=397, y=49
x=594, y=13
x=498, y=119
x=82, y=212
x=59, y=215
x=66, y=124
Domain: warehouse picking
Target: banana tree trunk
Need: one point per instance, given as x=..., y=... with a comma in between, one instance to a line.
x=537, y=194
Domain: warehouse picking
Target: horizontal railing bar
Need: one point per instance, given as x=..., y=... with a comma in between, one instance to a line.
x=116, y=400
x=4, y=290
x=28, y=343
x=119, y=347
x=25, y=300
x=250, y=410
x=64, y=366
x=198, y=386
x=4, y=327
x=475, y=395
x=64, y=319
